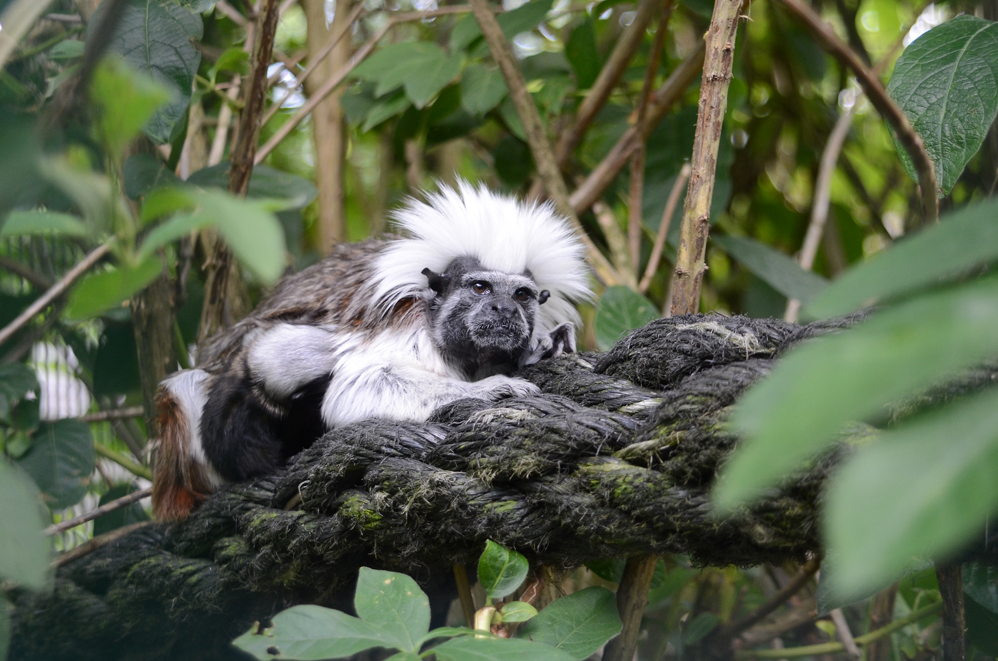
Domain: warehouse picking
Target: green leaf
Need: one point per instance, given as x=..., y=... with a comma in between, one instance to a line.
x=24, y=549
x=772, y=267
x=156, y=38
x=980, y=583
x=123, y=516
x=126, y=100
x=446, y=632
x=960, y=241
x=250, y=230
x=851, y=377
x=70, y=49
x=60, y=461
x=507, y=110
x=932, y=479
x=701, y=625
x=578, y=624
x=200, y=6
x=6, y=633
x=39, y=222
x=101, y=291
x=945, y=82
x=982, y=626
x=583, y=54
x=176, y=228
x=497, y=649
x=312, y=633
x=404, y=656
x=394, y=603
x=621, y=309
x=500, y=570
x=517, y=611
x=525, y=17
x=233, y=59
x=16, y=380
x=143, y=173
x=265, y=182
x=423, y=68
x=482, y=89
x=384, y=110
x=165, y=201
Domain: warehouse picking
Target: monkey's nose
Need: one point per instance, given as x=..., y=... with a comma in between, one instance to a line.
x=504, y=309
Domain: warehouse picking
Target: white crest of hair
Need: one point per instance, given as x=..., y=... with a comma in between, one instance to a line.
x=501, y=232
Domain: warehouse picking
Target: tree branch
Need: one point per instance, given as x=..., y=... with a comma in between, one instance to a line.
x=540, y=147
x=115, y=504
x=611, y=72
x=690, y=266
x=54, y=291
x=663, y=228
x=604, y=173
x=882, y=101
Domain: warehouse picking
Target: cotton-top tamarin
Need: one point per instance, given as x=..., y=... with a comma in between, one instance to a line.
x=478, y=285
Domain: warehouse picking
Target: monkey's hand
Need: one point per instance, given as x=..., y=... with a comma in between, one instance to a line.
x=560, y=340
x=499, y=386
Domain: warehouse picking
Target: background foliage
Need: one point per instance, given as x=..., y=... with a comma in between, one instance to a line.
x=118, y=121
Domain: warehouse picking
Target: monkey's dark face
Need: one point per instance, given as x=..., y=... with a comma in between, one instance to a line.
x=482, y=320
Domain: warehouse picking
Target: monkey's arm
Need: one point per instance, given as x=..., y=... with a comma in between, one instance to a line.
x=403, y=390
x=560, y=340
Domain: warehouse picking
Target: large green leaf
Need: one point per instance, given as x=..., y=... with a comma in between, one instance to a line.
x=945, y=82
x=621, y=309
x=423, y=68
x=41, y=222
x=156, y=37
x=578, y=624
x=143, y=173
x=501, y=570
x=852, y=377
x=24, y=548
x=126, y=100
x=60, y=461
x=101, y=291
x=16, y=380
x=962, y=240
x=394, y=603
x=265, y=182
x=932, y=479
x=482, y=89
x=250, y=228
x=772, y=267
x=582, y=53
x=497, y=649
x=312, y=633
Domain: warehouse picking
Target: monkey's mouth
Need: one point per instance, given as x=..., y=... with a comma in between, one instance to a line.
x=506, y=335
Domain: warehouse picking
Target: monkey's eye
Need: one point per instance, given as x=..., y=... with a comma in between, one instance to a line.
x=480, y=287
x=523, y=295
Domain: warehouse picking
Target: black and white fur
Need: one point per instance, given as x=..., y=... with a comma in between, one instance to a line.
x=480, y=284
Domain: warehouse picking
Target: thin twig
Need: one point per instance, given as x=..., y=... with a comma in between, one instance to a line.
x=607, y=79
x=115, y=504
x=632, y=597
x=832, y=648
x=663, y=227
x=844, y=634
x=954, y=619
x=464, y=594
x=132, y=467
x=231, y=13
x=604, y=173
x=98, y=542
x=28, y=340
x=635, y=204
x=822, y=200
x=882, y=101
x=537, y=137
x=616, y=239
x=324, y=91
x=114, y=414
x=690, y=265
x=735, y=627
x=313, y=62
x=54, y=291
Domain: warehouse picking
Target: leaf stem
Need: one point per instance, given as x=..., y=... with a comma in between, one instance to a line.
x=132, y=467
x=831, y=648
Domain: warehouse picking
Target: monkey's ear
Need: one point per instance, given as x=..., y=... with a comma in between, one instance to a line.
x=436, y=281
x=543, y=296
